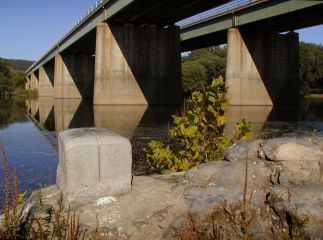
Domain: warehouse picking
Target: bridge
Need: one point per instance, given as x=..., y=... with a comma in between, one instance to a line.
x=128, y=51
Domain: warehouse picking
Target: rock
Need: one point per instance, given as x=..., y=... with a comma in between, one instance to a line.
x=300, y=208
x=249, y=196
x=243, y=150
x=299, y=159
x=93, y=163
x=297, y=172
x=40, y=212
x=291, y=149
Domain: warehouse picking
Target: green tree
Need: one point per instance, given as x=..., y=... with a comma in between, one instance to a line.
x=192, y=70
x=19, y=79
x=213, y=60
x=6, y=84
x=311, y=66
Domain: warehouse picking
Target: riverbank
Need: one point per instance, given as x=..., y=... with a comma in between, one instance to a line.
x=264, y=189
x=20, y=92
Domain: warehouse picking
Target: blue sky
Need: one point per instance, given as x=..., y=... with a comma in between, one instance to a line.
x=29, y=27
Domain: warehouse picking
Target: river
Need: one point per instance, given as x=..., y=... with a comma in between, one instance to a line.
x=28, y=128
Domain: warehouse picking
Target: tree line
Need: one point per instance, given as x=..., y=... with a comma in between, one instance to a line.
x=199, y=67
x=10, y=78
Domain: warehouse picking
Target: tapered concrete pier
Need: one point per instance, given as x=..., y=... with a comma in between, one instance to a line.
x=27, y=83
x=262, y=68
x=34, y=81
x=73, y=76
x=137, y=65
x=46, y=81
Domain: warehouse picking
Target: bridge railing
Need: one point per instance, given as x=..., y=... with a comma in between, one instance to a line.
x=92, y=9
x=186, y=22
x=225, y=8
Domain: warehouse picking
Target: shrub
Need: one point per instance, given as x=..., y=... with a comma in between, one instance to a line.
x=198, y=135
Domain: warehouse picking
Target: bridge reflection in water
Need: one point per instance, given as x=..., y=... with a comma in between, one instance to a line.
x=60, y=114
x=140, y=123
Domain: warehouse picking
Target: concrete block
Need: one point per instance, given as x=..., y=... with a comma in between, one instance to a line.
x=93, y=163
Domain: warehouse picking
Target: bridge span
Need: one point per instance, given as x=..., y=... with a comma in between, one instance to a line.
x=128, y=51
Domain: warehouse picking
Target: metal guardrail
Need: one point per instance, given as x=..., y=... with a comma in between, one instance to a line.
x=94, y=7
x=225, y=8
x=77, y=23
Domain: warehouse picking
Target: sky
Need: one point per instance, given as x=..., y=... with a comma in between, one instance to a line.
x=28, y=28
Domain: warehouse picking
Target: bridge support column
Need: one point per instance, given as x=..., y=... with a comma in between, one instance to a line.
x=262, y=68
x=137, y=65
x=34, y=81
x=27, y=83
x=46, y=80
x=73, y=76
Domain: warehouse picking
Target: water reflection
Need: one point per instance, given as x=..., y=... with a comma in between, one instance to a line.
x=12, y=110
x=258, y=115
x=64, y=112
x=27, y=149
x=45, y=112
x=31, y=148
x=121, y=119
x=60, y=114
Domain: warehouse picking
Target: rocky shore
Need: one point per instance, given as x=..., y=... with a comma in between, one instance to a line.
x=263, y=189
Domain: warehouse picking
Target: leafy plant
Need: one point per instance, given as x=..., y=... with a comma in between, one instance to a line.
x=198, y=134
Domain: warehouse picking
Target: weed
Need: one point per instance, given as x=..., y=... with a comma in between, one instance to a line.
x=66, y=226
x=198, y=134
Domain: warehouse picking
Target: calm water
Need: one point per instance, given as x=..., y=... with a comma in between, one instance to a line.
x=29, y=127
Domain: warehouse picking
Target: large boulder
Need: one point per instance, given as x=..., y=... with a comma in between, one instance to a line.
x=266, y=189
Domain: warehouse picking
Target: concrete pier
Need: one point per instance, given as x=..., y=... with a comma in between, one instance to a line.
x=73, y=76
x=137, y=65
x=27, y=82
x=46, y=81
x=34, y=81
x=262, y=68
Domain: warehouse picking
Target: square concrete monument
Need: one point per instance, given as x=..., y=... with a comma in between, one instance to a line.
x=93, y=163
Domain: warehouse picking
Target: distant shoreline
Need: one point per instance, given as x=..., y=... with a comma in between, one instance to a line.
x=316, y=95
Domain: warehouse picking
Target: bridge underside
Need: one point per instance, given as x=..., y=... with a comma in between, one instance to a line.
x=114, y=62
x=279, y=16
x=162, y=12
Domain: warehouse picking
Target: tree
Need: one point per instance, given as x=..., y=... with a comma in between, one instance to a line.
x=194, y=76
x=6, y=84
x=213, y=60
x=19, y=79
x=311, y=66
x=10, y=78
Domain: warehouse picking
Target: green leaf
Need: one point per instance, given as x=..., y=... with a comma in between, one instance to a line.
x=190, y=131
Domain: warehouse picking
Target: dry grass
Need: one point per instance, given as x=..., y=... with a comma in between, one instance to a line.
x=9, y=228
x=65, y=226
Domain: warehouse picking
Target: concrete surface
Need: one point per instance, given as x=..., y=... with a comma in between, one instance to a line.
x=93, y=162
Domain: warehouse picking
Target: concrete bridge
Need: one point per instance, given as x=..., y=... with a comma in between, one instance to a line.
x=128, y=51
